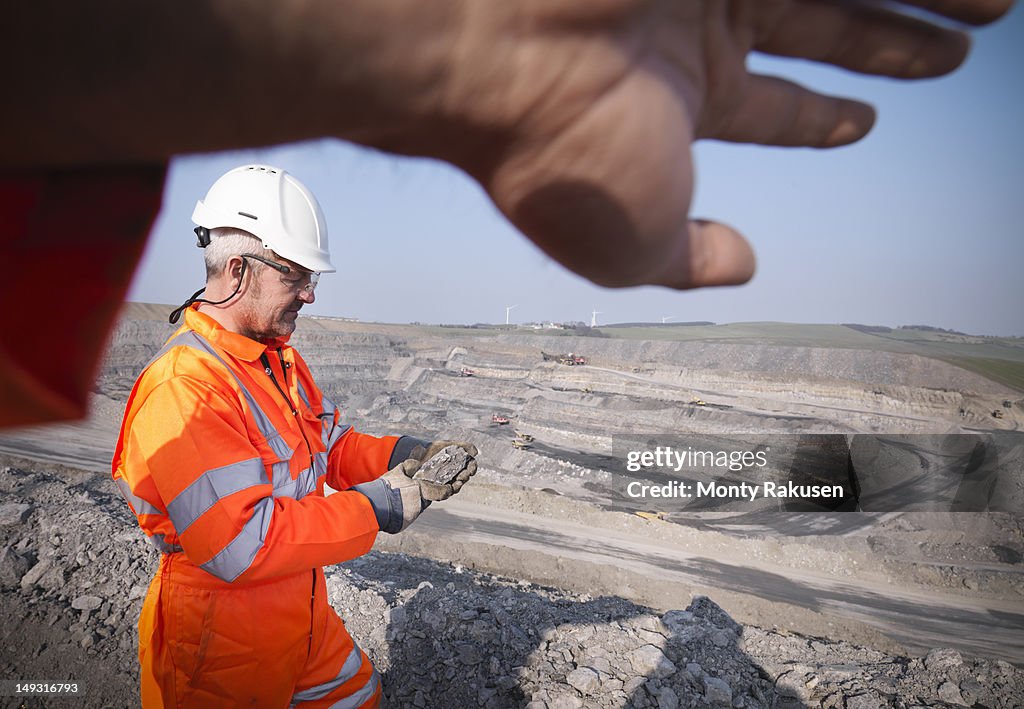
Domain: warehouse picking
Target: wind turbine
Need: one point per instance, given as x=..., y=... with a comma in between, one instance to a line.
x=593, y=318
x=666, y=318
x=508, y=309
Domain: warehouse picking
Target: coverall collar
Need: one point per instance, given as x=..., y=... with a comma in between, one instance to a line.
x=238, y=346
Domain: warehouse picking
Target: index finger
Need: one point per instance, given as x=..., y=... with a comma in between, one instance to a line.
x=971, y=12
x=870, y=39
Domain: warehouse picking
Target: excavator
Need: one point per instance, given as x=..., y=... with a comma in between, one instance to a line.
x=569, y=359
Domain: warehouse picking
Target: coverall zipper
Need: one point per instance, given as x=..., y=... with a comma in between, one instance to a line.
x=309, y=449
x=295, y=412
x=312, y=614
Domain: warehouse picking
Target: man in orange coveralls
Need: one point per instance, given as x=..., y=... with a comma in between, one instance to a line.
x=225, y=448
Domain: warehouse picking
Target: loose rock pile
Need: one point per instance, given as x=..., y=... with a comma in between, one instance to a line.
x=74, y=568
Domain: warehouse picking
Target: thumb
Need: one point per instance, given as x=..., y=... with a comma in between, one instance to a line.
x=409, y=466
x=707, y=253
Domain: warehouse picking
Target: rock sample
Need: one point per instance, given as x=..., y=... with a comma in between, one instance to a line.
x=444, y=465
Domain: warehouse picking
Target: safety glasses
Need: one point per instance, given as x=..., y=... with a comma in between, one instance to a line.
x=305, y=283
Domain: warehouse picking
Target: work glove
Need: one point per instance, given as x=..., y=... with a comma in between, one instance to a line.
x=395, y=497
x=434, y=491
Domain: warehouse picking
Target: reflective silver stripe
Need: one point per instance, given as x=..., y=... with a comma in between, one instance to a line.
x=140, y=506
x=360, y=697
x=303, y=484
x=237, y=556
x=282, y=475
x=308, y=478
x=319, y=466
x=302, y=392
x=280, y=447
x=168, y=346
x=159, y=541
x=349, y=670
x=331, y=434
x=211, y=486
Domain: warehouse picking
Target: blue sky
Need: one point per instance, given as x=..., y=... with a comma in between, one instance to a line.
x=917, y=224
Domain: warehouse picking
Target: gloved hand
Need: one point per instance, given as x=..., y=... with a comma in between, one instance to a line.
x=442, y=491
x=395, y=497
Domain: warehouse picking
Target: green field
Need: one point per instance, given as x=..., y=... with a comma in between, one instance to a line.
x=998, y=370
x=1000, y=359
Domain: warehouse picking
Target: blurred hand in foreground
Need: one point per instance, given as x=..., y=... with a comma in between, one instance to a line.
x=576, y=116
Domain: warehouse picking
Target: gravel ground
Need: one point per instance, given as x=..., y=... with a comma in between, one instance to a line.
x=74, y=567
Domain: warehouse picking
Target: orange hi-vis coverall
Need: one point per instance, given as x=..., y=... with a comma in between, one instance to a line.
x=223, y=455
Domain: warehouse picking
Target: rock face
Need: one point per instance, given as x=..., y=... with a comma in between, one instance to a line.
x=76, y=569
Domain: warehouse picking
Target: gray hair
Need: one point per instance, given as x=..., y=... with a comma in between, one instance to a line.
x=226, y=242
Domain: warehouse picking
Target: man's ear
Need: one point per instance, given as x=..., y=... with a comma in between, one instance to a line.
x=235, y=269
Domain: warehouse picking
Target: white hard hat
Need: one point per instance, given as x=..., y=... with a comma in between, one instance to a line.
x=275, y=207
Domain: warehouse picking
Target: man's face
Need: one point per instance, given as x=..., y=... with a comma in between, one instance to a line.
x=271, y=305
